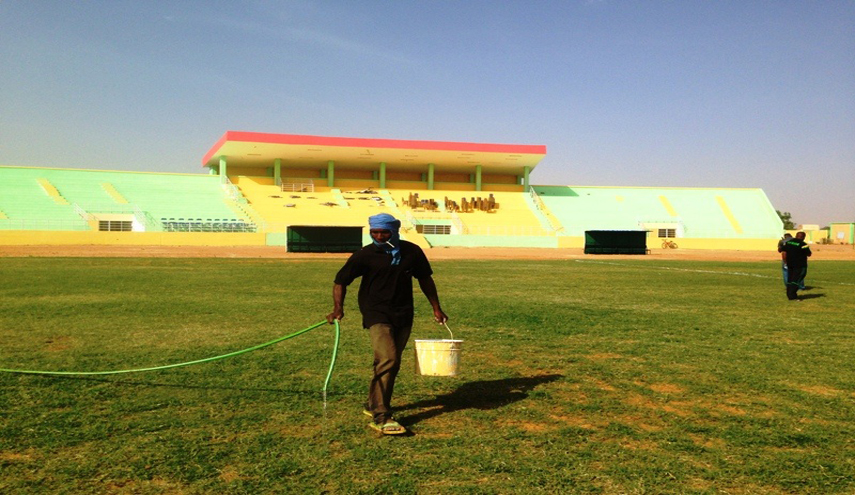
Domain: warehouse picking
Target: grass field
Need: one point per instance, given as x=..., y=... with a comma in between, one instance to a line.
x=579, y=376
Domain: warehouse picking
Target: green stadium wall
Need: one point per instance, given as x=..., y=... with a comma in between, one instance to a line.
x=708, y=218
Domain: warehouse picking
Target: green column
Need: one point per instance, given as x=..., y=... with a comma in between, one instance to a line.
x=330, y=173
x=431, y=168
x=223, y=174
x=477, y=177
x=382, y=175
x=526, y=172
x=277, y=171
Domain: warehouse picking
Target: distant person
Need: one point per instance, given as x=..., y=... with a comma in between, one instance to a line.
x=387, y=267
x=781, y=242
x=795, y=254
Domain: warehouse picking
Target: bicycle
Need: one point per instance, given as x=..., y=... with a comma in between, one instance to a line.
x=666, y=244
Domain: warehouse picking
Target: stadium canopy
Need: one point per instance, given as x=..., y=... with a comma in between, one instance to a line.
x=256, y=149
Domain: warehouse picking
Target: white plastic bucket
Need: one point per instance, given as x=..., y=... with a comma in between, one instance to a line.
x=438, y=357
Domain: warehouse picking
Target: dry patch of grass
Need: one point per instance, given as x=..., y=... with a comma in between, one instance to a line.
x=603, y=356
x=666, y=388
x=821, y=390
x=576, y=421
x=59, y=343
x=16, y=457
x=230, y=474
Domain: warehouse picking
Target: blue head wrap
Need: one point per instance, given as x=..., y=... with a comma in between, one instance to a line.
x=386, y=221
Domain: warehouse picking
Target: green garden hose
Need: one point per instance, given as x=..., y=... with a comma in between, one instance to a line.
x=199, y=361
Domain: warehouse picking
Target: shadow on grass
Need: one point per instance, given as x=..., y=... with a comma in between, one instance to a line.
x=811, y=296
x=488, y=394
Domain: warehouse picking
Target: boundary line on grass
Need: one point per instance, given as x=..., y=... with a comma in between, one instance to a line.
x=741, y=274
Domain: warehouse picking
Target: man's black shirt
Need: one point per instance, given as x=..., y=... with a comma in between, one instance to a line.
x=797, y=252
x=386, y=290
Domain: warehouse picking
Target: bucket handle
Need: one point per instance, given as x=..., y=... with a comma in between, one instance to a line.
x=449, y=330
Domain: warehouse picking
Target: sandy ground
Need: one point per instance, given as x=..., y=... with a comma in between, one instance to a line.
x=820, y=252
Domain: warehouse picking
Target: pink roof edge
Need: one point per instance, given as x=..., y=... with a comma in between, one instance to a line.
x=292, y=139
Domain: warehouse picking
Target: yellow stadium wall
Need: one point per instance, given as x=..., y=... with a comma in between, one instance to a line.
x=842, y=233
x=446, y=177
x=567, y=242
x=251, y=171
x=409, y=185
x=499, y=179
x=454, y=186
x=355, y=179
x=354, y=174
x=30, y=238
x=503, y=187
x=300, y=173
x=350, y=184
x=264, y=181
x=404, y=176
x=654, y=243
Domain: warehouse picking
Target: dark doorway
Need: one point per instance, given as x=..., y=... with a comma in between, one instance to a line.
x=615, y=242
x=311, y=239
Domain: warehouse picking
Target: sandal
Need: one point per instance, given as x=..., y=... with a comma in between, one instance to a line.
x=390, y=427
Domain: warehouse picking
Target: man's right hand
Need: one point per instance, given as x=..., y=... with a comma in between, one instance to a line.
x=338, y=293
x=337, y=314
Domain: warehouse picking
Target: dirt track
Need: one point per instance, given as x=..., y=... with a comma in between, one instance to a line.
x=820, y=252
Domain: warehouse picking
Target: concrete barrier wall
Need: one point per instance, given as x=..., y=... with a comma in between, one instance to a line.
x=30, y=237
x=720, y=244
x=654, y=243
x=570, y=242
x=54, y=238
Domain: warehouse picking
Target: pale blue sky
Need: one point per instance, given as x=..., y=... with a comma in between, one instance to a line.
x=622, y=93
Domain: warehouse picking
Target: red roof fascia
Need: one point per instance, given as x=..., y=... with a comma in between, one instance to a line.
x=268, y=138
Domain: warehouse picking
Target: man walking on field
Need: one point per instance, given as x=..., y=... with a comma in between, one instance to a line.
x=795, y=254
x=387, y=267
x=781, y=242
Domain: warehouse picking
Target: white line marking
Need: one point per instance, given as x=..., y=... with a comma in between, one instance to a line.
x=741, y=274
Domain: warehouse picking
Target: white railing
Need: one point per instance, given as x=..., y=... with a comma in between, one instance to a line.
x=458, y=223
x=146, y=220
x=80, y=211
x=540, y=205
x=408, y=217
x=232, y=190
x=296, y=185
x=408, y=222
x=104, y=208
x=142, y=217
x=248, y=211
x=432, y=215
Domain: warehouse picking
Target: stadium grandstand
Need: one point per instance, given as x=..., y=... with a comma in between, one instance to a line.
x=314, y=193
